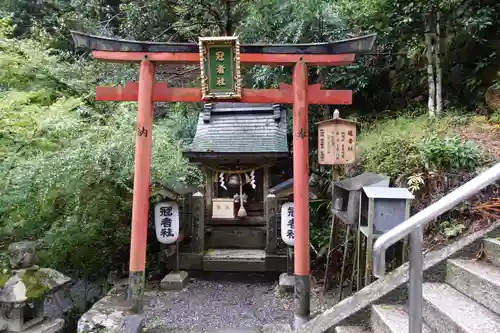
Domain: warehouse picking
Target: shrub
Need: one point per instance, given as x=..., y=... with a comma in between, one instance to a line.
x=66, y=162
x=495, y=117
x=391, y=146
x=450, y=154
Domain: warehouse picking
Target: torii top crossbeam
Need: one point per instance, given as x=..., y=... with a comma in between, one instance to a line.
x=334, y=53
x=220, y=78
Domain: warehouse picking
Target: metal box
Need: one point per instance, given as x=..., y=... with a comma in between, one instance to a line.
x=346, y=194
x=383, y=208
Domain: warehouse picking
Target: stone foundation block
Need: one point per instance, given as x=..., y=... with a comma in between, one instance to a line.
x=174, y=281
x=287, y=282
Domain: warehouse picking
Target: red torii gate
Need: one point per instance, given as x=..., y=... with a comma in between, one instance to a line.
x=299, y=93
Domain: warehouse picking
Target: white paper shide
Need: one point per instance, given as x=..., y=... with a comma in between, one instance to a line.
x=167, y=222
x=287, y=226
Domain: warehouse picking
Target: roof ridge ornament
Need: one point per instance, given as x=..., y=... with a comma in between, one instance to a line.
x=207, y=111
x=277, y=112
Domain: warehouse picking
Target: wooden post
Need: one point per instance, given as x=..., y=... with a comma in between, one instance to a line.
x=198, y=207
x=369, y=243
x=266, y=179
x=333, y=231
x=301, y=194
x=209, y=195
x=140, y=204
x=271, y=211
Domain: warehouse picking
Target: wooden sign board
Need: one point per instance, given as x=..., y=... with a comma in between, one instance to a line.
x=220, y=68
x=336, y=141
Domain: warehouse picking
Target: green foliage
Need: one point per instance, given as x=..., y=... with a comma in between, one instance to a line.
x=495, y=117
x=36, y=283
x=66, y=162
x=408, y=145
x=399, y=77
x=451, y=229
x=415, y=183
x=450, y=154
x=4, y=277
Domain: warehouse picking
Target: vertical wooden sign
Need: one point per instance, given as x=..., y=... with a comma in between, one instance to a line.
x=336, y=141
x=220, y=67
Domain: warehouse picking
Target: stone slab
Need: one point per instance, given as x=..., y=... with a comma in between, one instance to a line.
x=267, y=328
x=235, y=237
x=391, y=319
x=492, y=249
x=189, y=261
x=134, y=324
x=234, y=260
x=49, y=325
x=287, y=282
x=477, y=279
x=278, y=263
x=174, y=281
x=448, y=310
x=352, y=329
x=110, y=314
x=277, y=328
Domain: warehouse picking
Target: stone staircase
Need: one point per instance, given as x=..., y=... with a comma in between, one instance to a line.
x=469, y=301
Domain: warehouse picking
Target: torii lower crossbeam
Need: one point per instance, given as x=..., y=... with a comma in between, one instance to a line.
x=283, y=95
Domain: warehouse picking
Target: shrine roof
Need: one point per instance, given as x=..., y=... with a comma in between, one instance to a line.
x=285, y=189
x=241, y=128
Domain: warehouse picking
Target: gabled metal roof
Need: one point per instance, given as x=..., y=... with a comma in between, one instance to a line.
x=241, y=128
x=284, y=189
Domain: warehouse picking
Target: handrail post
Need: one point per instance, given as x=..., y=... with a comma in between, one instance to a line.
x=416, y=280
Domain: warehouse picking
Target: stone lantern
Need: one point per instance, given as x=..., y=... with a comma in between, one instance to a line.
x=23, y=289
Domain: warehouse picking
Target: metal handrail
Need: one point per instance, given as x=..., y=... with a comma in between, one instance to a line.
x=414, y=227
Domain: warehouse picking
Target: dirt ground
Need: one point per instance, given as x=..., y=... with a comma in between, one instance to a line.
x=224, y=301
x=485, y=134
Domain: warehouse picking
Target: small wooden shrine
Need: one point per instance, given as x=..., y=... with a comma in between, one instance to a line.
x=240, y=146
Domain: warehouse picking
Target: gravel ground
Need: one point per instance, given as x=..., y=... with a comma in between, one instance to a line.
x=208, y=304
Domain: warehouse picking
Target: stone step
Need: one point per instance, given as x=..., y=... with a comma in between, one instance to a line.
x=235, y=260
x=235, y=237
x=447, y=310
x=351, y=329
x=391, y=319
x=257, y=220
x=478, y=280
x=492, y=249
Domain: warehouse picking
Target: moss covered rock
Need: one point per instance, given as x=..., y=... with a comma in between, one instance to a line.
x=4, y=277
x=24, y=285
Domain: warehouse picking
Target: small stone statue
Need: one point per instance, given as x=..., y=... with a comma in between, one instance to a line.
x=22, y=254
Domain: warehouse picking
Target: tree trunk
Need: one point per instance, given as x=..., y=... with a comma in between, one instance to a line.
x=430, y=75
x=229, y=19
x=439, y=73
